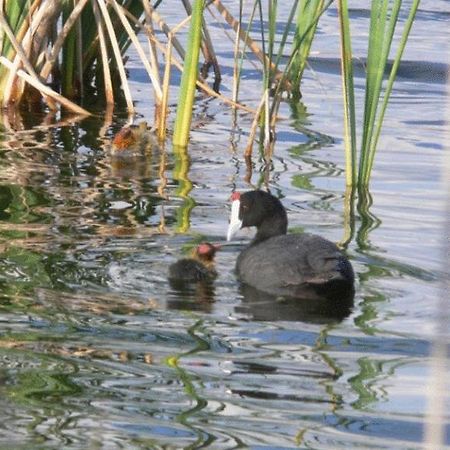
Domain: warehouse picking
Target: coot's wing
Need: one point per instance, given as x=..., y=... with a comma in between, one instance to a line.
x=325, y=260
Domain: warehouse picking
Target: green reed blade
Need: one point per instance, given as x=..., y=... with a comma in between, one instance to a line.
x=304, y=35
x=348, y=94
x=383, y=22
x=68, y=65
x=285, y=35
x=272, y=29
x=281, y=83
x=189, y=77
x=382, y=27
x=16, y=12
x=379, y=121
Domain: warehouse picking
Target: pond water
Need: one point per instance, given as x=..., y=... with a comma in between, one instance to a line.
x=99, y=351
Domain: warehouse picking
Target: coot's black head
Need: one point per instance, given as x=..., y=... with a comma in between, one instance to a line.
x=257, y=209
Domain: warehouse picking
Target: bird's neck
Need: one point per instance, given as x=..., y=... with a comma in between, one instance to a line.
x=270, y=227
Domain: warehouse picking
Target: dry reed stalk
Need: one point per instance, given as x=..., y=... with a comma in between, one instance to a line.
x=151, y=70
x=234, y=24
x=117, y=55
x=11, y=87
x=254, y=127
x=109, y=93
x=33, y=33
x=235, y=67
x=150, y=31
x=148, y=11
x=266, y=121
x=166, y=30
x=62, y=35
x=208, y=90
x=165, y=98
x=45, y=90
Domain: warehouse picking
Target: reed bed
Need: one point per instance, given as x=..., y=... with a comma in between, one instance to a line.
x=61, y=54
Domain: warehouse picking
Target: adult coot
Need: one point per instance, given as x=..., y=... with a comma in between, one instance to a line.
x=199, y=267
x=293, y=265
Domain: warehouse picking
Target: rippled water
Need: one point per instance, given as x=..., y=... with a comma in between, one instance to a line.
x=99, y=351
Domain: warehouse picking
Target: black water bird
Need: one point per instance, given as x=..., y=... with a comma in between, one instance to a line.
x=291, y=265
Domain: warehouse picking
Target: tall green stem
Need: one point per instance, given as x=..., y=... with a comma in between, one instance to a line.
x=189, y=77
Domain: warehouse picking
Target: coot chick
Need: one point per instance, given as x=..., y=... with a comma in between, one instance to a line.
x=292, y=265
x=131, y=140
x=199, y=267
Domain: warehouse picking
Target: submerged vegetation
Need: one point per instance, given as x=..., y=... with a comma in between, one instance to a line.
x=66, y=53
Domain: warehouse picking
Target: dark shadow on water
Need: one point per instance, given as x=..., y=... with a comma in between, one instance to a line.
x=329, y=307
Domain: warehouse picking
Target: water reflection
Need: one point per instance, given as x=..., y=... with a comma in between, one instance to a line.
x=181, y=175
x=199, y=296
x=324, y=308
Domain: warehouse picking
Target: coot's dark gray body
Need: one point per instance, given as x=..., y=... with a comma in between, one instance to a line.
x=292, y=265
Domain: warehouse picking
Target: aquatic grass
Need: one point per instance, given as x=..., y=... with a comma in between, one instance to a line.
x=383, y=22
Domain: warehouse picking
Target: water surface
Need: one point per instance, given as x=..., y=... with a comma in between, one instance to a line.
x=99, y=351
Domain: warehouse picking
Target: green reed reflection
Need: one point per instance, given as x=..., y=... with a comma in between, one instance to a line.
x=185, y=186
x=46, y=383
x=188, y=380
